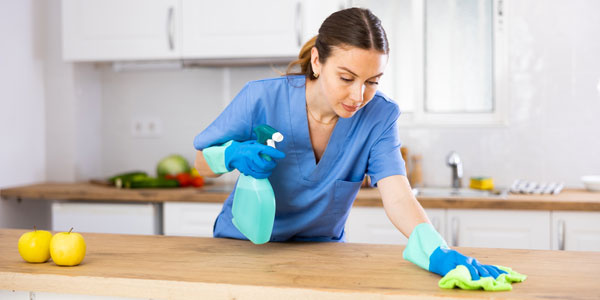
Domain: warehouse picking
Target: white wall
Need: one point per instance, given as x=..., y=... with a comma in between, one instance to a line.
x=22, y=105
x=73, y=109
x=554, y=106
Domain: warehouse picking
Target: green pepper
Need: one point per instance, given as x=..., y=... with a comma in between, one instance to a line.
x=119, y=179
x=150, y=182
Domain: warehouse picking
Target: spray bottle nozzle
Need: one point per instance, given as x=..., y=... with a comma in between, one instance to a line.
x=267, y=135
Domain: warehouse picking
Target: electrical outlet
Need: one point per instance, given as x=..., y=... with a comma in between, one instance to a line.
x=146, y=127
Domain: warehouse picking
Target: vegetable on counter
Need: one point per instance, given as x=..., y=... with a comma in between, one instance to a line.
x=197, y=181
x=119, y=179
x=188, y=179
x=176, y=167
x=151, y=182
x=172, y=171
x=140, y=179
x=172, y=165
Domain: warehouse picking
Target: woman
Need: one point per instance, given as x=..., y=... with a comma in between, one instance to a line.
x=337, y=128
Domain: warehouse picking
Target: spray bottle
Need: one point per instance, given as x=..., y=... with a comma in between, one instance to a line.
x=253, y=206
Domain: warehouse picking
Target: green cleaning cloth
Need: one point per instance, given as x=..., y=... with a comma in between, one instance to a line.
x=460, y=277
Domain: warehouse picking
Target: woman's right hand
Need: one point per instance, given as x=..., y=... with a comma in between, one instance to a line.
x=247, y=157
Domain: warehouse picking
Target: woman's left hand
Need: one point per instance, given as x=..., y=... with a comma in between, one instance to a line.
x=444, y=260
x=428, y=250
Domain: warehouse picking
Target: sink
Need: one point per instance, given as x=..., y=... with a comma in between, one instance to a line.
x=454, y=192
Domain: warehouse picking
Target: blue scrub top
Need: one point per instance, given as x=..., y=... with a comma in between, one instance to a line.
x=312, y=199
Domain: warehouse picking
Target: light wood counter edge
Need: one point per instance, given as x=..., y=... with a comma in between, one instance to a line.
x=165, y=289
x=109, y=270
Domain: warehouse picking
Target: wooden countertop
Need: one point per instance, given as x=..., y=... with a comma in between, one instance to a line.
x=568, y=199
x=170, y=267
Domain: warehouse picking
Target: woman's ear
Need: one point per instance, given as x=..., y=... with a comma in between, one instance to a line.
x=314, y=60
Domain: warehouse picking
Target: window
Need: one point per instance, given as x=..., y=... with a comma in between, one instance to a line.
x=447, y=61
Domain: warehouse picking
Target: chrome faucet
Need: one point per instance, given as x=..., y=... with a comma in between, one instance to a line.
x=453, y=160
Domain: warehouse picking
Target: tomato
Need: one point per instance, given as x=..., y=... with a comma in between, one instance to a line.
x=184, y=179
x=197, y=181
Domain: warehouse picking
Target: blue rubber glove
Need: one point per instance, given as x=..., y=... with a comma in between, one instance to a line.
x=444, y=260
x=427, y=249
x=249, y=158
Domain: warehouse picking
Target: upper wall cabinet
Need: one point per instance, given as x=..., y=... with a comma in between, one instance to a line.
x=241, y=28
x=250, y=29
x=110, y=30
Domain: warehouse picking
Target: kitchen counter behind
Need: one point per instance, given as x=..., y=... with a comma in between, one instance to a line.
x=185, y=267
x=568, y=199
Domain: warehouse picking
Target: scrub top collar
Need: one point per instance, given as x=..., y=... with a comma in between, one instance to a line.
x=302, y=145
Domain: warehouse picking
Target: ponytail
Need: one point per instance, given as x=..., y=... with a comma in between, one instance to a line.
x=303, y=61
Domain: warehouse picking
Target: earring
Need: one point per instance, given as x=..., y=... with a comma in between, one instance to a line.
x=316, y=75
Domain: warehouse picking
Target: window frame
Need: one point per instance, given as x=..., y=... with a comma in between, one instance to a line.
x=498, y=117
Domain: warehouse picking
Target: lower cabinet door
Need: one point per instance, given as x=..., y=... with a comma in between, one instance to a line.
x=575, y=230
x=190, y=219
x=105, y=217
x=15, y=295
x=517, y=229
x=371, y=225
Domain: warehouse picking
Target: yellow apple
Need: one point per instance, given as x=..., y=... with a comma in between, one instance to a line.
x=34, y=246
x=67, y=248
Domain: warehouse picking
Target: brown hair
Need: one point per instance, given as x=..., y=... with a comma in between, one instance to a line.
x=356, y=27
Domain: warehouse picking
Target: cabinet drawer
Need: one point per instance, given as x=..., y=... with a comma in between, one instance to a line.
x=100, y=217
x=190, y=219
x=371, y=225
x=578, y=231
x=499, y=228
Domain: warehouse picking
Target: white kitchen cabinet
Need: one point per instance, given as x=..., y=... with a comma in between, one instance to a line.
x=499, y=228
x=576, y=230
x=251, y=29
x=371, y=225
x=112, y=30
x=240, y=28
x=190, y=219
x=100, y=217
x=15, y=295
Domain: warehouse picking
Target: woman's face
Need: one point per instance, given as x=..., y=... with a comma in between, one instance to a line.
x=349, y=78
